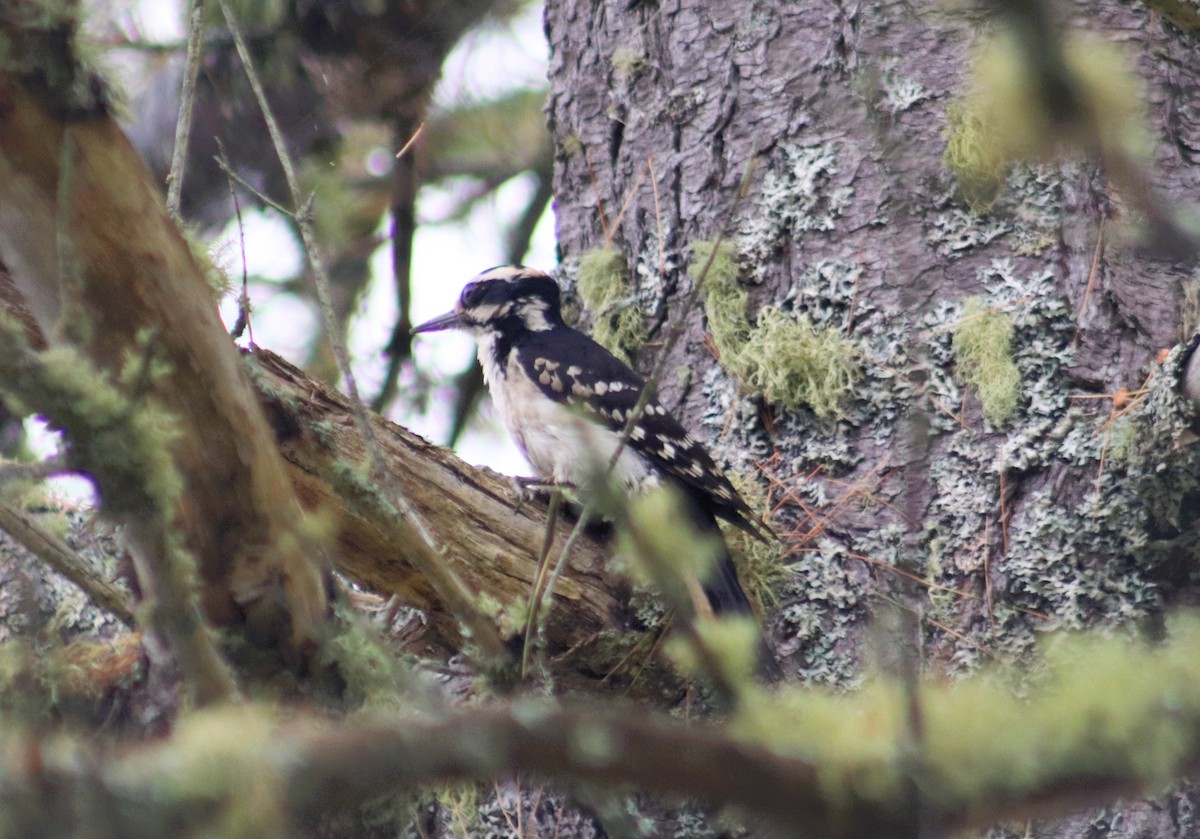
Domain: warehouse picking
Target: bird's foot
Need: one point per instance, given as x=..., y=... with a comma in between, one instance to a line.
x=529, y=489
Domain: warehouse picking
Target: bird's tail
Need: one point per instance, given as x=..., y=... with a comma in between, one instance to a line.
x=727, y=597
x=724, y=590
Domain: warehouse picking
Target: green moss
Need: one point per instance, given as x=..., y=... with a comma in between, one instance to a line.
x=725, y=301
x=217, y=758
x=983, y=348
x=571, y=146
x=628, y=63
x=605, y=288
x=460, y=805
x=125, y=443
x=376, y=679
x=794, y=363
x=787, y=359
x=974, y=154
x=510, y=618
x=981, y=744
x=217, y=277
x=760, y=565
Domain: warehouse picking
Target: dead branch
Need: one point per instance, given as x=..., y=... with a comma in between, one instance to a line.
x=471, y=512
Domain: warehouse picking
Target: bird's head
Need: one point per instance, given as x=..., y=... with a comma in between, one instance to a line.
x=508, y=296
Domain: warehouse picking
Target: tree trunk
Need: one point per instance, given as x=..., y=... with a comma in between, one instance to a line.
x=986, y=530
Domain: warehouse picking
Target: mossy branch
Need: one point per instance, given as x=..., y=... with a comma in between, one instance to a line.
x=125, y=446
x=838, y=766
x=58, y=555
x=142, y=319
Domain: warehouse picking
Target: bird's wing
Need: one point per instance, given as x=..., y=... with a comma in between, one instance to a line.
x=607, y=390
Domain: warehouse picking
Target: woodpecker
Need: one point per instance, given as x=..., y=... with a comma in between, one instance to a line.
x=566, y=400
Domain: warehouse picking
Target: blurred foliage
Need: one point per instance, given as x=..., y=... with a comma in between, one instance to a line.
x=1091, y=103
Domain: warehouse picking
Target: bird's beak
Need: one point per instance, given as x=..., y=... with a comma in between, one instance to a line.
x=447, y=321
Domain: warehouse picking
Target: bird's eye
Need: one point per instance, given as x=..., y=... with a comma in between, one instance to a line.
x=472, y=294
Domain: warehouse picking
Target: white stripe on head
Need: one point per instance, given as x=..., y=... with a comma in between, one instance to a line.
x=532, y=311
x=508, y=273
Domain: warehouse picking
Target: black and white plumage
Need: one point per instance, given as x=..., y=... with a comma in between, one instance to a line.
x=566, y=400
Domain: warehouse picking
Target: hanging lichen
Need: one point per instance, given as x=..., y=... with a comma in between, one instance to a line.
x=974, y=153
x=785, y=357
x=1003, y=117
x=606, y=290
x=983, y=349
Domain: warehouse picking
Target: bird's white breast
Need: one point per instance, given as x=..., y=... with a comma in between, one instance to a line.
x=561, y=443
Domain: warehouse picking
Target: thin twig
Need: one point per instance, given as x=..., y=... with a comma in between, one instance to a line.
x=187, y=101
x=36, y=471
x=604, y=229
x=425, y=559
x=625, y=207
x=987, y=577
x=1097, y=252
x=58, y=555
x=1003, y=511
x=536, y=602
x=253, y=190
x=662, y=257
x=535, y=596
x=243, y=316
x=416, y=135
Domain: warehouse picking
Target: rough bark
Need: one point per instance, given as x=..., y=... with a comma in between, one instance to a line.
x=1079, y=509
